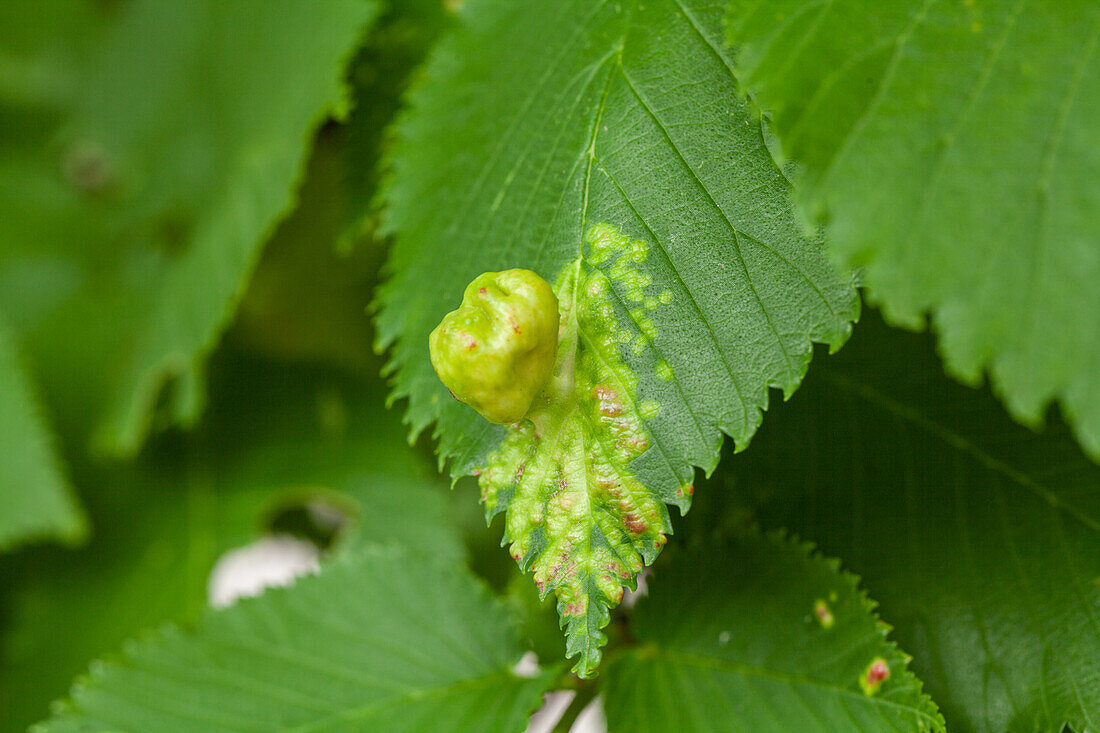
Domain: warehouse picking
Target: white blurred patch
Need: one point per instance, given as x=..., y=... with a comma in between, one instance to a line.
x=630, y=597
x=553, y=707
x=266, y=563
x=527, y=667
x=591, y=719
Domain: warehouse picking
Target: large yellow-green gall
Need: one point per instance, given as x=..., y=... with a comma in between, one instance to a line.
x=496, y=352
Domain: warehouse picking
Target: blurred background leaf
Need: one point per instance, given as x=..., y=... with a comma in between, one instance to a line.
x=129, y=228
x=296, y=438
x=384, y=69
x=35, y=498
x=277, y=439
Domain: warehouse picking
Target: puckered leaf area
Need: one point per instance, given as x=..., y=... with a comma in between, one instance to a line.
x=954, y=150
x=378, y=641
x=980, y=539
x=761, y=634
x=609, y=152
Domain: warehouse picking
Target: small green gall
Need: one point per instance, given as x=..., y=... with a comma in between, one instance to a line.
x=497, y=351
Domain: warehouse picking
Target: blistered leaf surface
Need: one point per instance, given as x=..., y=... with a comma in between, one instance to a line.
x=577, y=515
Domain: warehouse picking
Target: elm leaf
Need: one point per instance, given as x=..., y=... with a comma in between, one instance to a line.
x=613, y=153
x=377, y=641
x=753, y=633
x=954, y=151
x=36, y=500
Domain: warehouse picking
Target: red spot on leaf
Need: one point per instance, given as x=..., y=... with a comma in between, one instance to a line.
x=878, y=672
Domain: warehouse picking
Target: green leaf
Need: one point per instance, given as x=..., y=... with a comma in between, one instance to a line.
x=616, y=152
x=761, y=634
x=382, y=641
x=41, y=44
x=306, y=301
x=980, y=539
x=379, y=77
x=276, y=438
x=35, y=499
x=954, y=150
x=129, y=236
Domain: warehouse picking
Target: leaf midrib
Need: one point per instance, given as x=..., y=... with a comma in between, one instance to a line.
x=364, y=712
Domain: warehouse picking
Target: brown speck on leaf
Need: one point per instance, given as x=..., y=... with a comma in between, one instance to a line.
x=634, y=523
x=86, y=166
x=609, y=405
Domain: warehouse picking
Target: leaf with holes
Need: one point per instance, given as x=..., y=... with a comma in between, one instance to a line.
x=380, y=641
x=774, y=638
x=615, y=159
x=954, y=150
x=980, y=539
